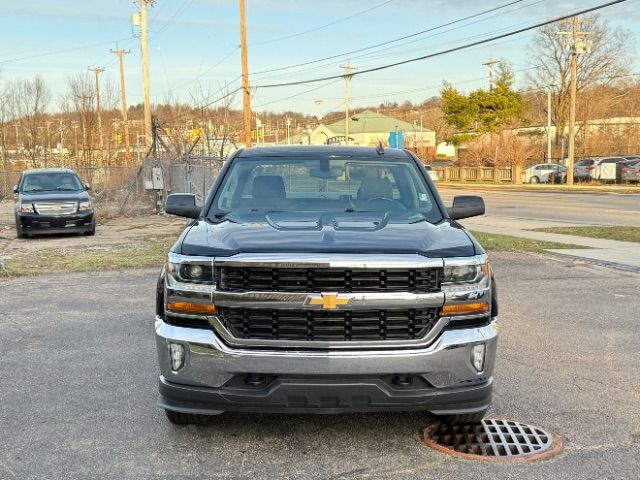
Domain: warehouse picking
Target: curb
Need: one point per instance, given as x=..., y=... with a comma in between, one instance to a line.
x=601, y=263
x=500, y=188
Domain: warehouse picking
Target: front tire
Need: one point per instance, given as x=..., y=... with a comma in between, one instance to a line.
x=181, y=418
x=534, y=180
x=475, y=417
x=19, y=232
x=92, y=231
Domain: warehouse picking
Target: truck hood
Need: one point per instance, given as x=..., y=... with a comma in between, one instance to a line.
x=326, y=233
x=59, y=196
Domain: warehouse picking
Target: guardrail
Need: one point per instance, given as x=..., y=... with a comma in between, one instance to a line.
x=479, y=174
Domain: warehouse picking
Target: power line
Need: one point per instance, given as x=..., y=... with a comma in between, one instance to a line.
x=293, y=35
x=55, y=52
x=376, y=55
x=298, y=94
x=389, y=41
x=449, y=50
x=181, y=9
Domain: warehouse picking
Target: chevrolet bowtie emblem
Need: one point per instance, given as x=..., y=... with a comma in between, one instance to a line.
x=328, y=301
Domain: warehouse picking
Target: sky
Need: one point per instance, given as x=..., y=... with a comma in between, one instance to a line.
x=194, y=46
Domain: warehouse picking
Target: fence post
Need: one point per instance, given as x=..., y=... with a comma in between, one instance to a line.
x=446, y=174
x=463, y=174
x=496, y=175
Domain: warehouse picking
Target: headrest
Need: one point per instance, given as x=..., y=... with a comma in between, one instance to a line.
x=268, y=186
x=375, y=188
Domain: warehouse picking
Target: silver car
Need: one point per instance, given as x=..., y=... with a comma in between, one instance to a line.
x=631, y=171
x=540, y=173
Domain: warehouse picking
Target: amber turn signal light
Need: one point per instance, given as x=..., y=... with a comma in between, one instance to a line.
x=188, y=307
x=465, y=308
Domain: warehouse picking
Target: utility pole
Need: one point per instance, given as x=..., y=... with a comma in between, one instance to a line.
x=490, y=63
x=123, y=96
x=144, y=48
x=84, y=99
x=577, y=46
x=246, y=94
x=288, y=131
x=61, y=130
x=98, y=71
x=549, y=123
x=348, y=69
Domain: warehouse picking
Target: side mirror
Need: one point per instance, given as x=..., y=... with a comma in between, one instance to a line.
x=15, y=189
x=183, y=205
x=465, y=206
x=87, y=186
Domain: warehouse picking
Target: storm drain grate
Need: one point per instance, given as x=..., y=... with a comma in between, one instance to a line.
x=492, y=439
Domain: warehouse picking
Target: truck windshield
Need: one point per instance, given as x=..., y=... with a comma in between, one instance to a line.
x=325, y=185
x=51, y=182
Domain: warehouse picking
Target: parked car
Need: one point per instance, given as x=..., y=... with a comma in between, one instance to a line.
x=630, y=171
x=540, y=173
x=52, y=200
x=584, y=170
x=607, y=169
x=432, y=173
x=325, y=280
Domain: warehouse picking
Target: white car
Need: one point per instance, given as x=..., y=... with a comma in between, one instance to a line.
x=540, y=173
x=607, y=170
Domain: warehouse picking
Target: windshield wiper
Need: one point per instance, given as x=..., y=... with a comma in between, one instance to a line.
x=353, y=210
x=220, y=214
x=61, y=189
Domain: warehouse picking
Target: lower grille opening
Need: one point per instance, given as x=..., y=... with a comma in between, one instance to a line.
x=336, y=325
x=189, y=322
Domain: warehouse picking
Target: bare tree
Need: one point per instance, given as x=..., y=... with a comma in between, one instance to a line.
x=220, y=131
x=79, y=101
x=607, y=61
x=28, y=99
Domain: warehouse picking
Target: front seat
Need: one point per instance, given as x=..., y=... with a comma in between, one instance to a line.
x=375, y=188
x=268, y=191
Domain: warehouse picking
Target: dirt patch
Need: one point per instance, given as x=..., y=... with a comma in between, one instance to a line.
x=124, y=242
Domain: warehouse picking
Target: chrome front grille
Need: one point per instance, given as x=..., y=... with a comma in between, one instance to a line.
x=328, y=325
x=330, y=279
x=56, y=208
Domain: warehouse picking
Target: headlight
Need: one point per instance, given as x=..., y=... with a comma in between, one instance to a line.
x=25, y=208
x=184, y=269
x=85, y=206
x=466, y=285
x=464, y=274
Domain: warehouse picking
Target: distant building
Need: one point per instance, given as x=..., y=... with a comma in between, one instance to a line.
x=368, y=128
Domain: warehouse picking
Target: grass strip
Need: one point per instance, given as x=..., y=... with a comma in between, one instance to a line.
x=493, y=242
x=616, y=232
x=152, y=252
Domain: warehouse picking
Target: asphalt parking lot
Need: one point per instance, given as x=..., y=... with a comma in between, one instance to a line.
x=78, y=388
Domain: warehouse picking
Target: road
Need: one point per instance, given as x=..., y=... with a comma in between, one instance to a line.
x=561, y=208
x=78, y=386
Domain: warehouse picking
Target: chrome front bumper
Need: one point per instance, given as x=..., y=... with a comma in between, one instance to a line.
x=205, y=384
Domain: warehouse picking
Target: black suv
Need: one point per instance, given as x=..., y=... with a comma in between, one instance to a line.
x=53, y=200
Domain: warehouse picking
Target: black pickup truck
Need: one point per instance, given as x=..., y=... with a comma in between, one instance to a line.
x=322, y=280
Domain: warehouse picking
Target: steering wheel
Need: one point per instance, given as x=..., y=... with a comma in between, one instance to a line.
x=396, y=204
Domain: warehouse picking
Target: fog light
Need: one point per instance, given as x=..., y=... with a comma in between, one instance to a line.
x=176, y=353
x=477, y=356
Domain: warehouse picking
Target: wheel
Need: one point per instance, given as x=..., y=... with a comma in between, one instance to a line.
x=475, y=417
x=19, y=232
x=92, y=231
x=534, y=179
x=180, y=418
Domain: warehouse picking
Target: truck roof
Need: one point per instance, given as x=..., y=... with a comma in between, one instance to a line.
x=47, y=170
x=328, y=151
